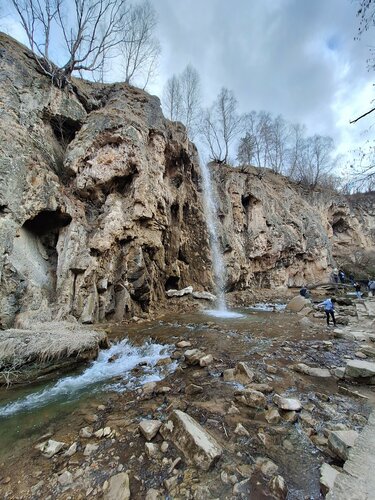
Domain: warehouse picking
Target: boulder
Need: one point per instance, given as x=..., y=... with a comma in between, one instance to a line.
x=204, y=296
x=356, y=368
x=297, y=304
x=249, y=397
x=368, y=350
x=266, y=466
x=327, y=478
x=118, y=488
x=193, y=389
x=198, y=446
x=182, y=344
x=312, y=371
x=340, y=442
x=179, y=293
x=243, y=373
x=149, y=428
x=289, y=404
x=241, y=431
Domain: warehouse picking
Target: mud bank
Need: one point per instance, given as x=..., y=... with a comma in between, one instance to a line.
x=28, y=354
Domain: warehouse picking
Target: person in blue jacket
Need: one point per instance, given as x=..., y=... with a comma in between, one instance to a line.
x=329, y=309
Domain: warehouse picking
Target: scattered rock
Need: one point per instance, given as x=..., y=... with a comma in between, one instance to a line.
x=339, y=372
x=71, y=450
x=153, y=494
x=287, y=403
x=278, y=487
x=183, y=344
x=312, y=371
x=249, y=397
x=149, y=388
x=266, y=466
x=149, y=428
x=179, y=293
x=272, y=416
x=360, y=369
x=192, y=439
x=340, y=442
x=271, y=369
x=171, y=483
x=289, y=416
x=90, y=449
x=193, y=389
x=241, y=431
x=243, y=488
x=86, y=432
x=206, y=360
x=152, y=450
x=118, y=487
x=228, y=375
x=65, y=479
x=193, y=356
x=327, y=478
x=243, y=373
x=360, y=355
x=204, y=296
x=50, y=448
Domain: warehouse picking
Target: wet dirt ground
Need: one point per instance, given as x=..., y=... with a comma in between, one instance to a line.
x=271, y=342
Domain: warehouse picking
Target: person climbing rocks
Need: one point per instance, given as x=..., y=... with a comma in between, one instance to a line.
x=342, y=276
x=357, y=287
x=304, y=292
x=329, y=309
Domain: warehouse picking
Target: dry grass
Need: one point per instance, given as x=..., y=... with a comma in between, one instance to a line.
x=45, y=343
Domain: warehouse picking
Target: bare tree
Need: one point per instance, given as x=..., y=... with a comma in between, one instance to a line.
x=91, y=31
x=318, y=160
x=190, y=93
x=139, y=48
x=246, y=149
x=172, y=99
x=296, y=150
x=220, y=125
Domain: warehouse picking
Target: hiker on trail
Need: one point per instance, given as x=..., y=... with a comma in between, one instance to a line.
x=329, y=309
x=342, y=276
x=304, y=292
x=357, y=287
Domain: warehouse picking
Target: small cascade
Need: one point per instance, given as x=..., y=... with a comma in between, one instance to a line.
x=114, y=363
x=217, y=258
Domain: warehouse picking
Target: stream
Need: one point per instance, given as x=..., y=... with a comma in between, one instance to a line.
x=262, y=335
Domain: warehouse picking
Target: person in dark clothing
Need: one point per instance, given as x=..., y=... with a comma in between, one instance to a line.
x=342, y=276
x=304, y=292
x=329, y=309
x=357, y=287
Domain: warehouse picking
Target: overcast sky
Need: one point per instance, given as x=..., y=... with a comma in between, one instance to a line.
x=293, y=57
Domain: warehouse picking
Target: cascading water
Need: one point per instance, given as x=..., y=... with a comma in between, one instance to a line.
x=217, y=258
x=211, y=218
x=118, y=361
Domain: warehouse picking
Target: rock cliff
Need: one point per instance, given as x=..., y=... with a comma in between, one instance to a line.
x=101, y=207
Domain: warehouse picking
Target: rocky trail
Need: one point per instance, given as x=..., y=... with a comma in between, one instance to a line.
x=266, y=405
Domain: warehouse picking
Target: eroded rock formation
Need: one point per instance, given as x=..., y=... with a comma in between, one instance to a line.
x=101, y=208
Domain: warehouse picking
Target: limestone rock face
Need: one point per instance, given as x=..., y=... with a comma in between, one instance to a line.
x=275, y=233
x=101, y=208
x=100, y=205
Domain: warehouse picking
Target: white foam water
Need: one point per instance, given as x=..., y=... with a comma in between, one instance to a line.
x=268, y=307
x=124, y=356
x=225, y=314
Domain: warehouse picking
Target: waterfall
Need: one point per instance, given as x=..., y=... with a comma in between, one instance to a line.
x=211, y=218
